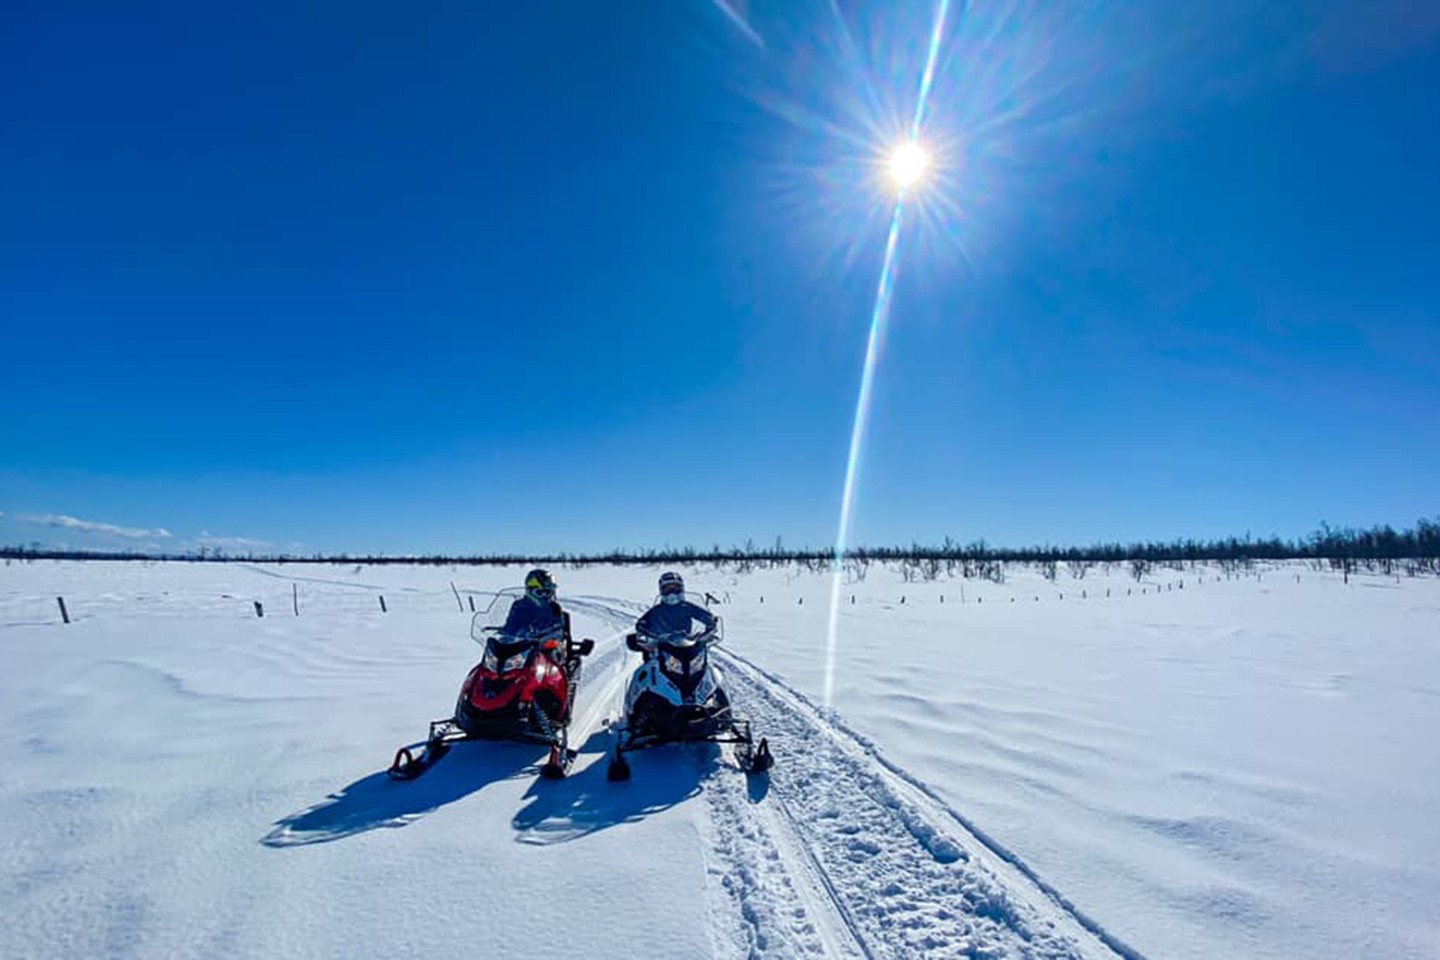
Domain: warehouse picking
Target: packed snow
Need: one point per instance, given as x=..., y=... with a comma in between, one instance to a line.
x=1199, y=763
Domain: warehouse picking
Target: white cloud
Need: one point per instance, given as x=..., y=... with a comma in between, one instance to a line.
x=60, y=520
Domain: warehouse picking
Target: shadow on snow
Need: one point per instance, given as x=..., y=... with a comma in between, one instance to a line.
x=586, y=802
x=555, y=811
x=379, y=801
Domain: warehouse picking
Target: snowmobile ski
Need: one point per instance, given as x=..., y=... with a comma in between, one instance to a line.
x=443, y=735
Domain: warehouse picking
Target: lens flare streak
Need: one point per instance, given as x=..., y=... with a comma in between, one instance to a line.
x=741, y=24
x=879, y=319
x=927, y=79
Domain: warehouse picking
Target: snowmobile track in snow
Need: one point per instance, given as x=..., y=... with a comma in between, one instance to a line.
x=909, y=874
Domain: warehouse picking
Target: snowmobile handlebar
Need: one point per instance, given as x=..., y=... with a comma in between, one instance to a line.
x=552, y=642
x=540, y=639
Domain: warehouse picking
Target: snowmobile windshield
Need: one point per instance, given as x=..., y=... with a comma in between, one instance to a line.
x=489, y=624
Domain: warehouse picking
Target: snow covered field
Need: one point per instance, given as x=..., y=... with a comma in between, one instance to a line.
x=1235, y=767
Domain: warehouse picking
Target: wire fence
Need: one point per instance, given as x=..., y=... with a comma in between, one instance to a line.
x=300, y=598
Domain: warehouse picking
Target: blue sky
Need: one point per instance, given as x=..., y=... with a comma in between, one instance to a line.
x=573, y=276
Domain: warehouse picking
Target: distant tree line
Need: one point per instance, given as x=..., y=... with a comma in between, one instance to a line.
x=1416, y=549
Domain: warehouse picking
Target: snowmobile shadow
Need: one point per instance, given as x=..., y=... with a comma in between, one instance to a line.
x=380, y=801
x=586, y=802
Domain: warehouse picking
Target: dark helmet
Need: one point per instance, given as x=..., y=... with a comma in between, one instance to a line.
x=672, y=587
x=540, y=586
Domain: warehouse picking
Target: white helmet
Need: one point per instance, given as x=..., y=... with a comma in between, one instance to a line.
x=672, y=588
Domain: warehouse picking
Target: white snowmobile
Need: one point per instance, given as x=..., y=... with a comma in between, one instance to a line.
x=676, y=695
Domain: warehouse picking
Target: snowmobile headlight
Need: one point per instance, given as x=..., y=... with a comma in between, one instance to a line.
x=490, y=662
x=515, y=662
x=675, y=665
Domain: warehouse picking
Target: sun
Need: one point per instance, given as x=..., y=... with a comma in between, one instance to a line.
x=908, y=164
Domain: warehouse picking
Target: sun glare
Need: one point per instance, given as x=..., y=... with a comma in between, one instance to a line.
x=908, y=164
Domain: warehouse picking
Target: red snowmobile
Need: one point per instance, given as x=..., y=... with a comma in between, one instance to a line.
x=523, y=689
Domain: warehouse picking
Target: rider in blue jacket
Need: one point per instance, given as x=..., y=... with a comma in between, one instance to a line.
x=537, y=614
x=673, y=614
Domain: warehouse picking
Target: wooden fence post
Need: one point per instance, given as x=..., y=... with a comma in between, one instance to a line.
x=471, y=598
x=382, y=604
x=64, y=614
x=259, y=610
x=295, y=597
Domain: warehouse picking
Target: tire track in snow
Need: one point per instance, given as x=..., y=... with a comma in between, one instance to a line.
x=904, y=887
x=838, y=928
x=828, y=777
x=778, y=902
